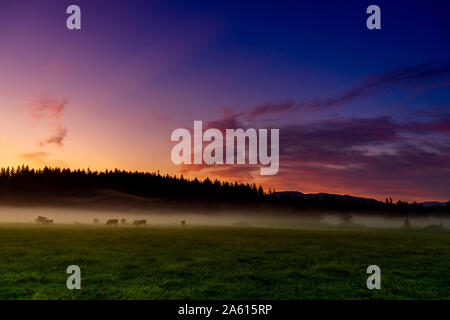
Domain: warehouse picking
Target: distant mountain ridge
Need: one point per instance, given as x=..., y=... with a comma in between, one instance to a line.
x=338, y=197
x=433, y=203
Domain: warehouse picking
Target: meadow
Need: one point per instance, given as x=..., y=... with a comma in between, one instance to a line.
x=206, y=262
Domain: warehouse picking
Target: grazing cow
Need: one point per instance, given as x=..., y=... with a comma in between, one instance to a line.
x=183, y=223
x=43, y=220
x=40, y=219
x=112, y=222
x=140, y=223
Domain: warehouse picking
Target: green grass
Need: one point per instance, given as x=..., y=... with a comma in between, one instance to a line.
x=221, y=263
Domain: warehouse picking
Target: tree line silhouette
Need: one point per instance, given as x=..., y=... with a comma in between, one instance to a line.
x=151, y=190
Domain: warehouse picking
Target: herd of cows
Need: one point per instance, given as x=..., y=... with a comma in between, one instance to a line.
x=110, y=222
x=115, y=222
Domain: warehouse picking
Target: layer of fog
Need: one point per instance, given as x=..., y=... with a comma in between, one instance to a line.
x=72, y=216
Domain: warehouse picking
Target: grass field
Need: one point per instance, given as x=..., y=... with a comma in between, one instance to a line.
x=221, y=263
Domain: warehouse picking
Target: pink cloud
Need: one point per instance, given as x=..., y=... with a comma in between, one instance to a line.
x=46, y=107
x=57, y=137
x=50, y=111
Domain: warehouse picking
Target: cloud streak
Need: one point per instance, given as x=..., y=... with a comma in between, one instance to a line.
x=41, y=159
x=34, y=155
x=373, y=84
x=45, y=107
x=48, y=109
x=392, y=78
x=57, y=137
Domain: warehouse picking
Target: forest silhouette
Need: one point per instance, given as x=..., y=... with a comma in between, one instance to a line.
x=117, y=189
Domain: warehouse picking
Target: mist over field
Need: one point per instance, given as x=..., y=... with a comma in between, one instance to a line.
x=221, y=218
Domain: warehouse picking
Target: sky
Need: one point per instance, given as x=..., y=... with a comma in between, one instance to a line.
x=360, y=112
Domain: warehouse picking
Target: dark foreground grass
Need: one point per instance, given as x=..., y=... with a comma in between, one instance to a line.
x=220, y=263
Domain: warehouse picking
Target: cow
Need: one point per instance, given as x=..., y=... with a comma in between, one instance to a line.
x=40, y=219
x=140, y=223
x=112, y=222
x=43, y=220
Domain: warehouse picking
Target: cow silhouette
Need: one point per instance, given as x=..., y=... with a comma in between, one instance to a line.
x=43, y=220
x=112, y=222
x=140, y=223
